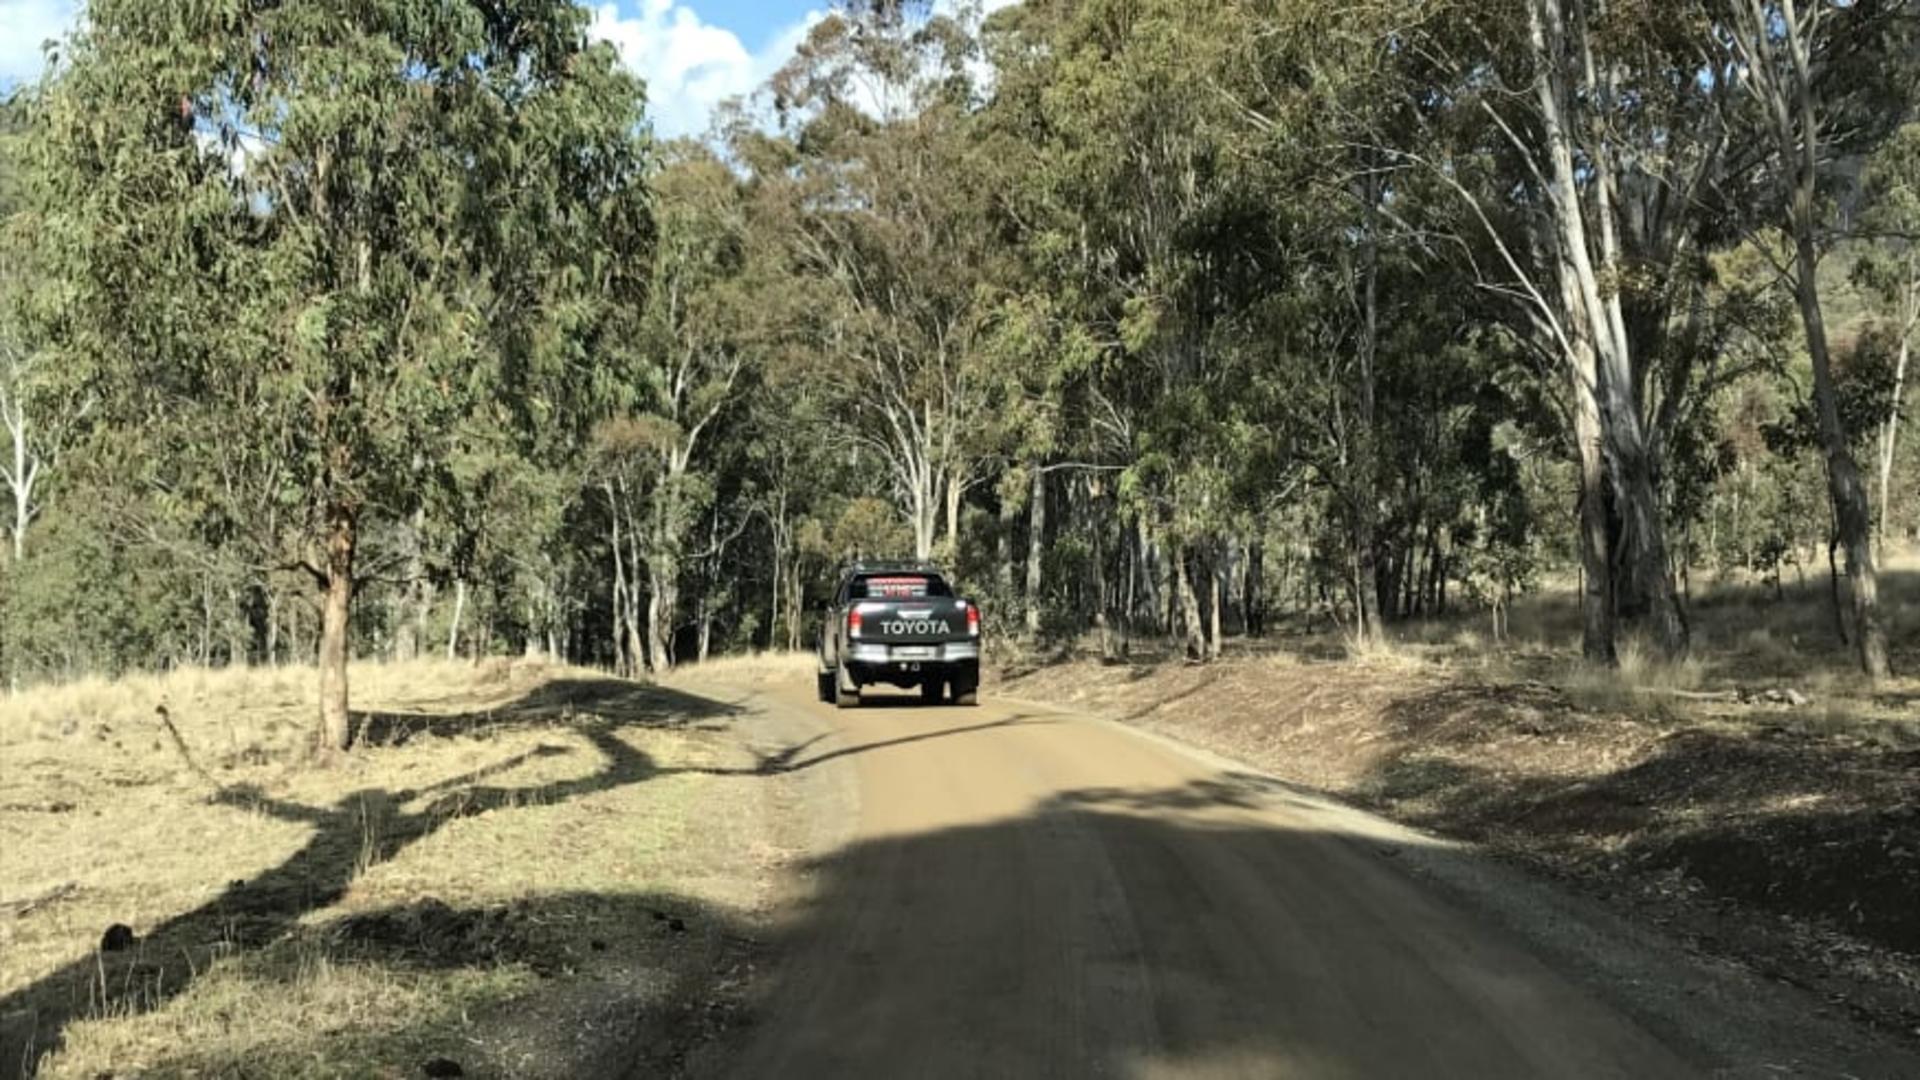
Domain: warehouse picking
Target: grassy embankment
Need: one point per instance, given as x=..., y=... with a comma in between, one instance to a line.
x=526, y=870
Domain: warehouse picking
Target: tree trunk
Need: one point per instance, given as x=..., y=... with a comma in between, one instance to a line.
x=1797, y=127
x=1891, y=430
x=1036, y=546
x=662, y=605
x=796, y=604
x=459, y=612
x=926, y=511
x=1362, y=472
x=295, y=651
x=1253, y=596
x=1196, y=641
x=954, y=490
x=273, y=627
x=1853, y=515
x=1102, y=587
x=336, y=612
x=773, y=597
x=1003, y=547
x=1593, y=313
x=616, y=606
x=13, y=410
x=632, y=602
x=706, y=628
x=1213, y=610
x=239, y=631
x=1596, y=599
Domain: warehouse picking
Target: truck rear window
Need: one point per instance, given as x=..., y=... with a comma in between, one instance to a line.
x=899, y=587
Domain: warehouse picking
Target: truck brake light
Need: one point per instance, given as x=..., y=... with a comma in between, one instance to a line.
x=973, y=621
x=853, y=623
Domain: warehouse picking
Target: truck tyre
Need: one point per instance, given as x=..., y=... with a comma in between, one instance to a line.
x=824, y=687
x=966, y=693
x=933, y=691
x=846, y=697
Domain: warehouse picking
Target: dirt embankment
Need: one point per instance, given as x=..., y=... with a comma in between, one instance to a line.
x=1753, y=831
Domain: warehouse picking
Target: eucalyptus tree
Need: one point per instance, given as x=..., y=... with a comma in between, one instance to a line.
x=310, y=234
x=1891, y=269
x=42, y=414
x=1320, y=96
x=879, y=102
x=1135, y=209
x=1822, y=74
x=693, y=337
x=1600, y=170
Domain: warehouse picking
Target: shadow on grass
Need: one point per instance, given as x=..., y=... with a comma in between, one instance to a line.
x=365, y=828
x=1783, y=822
x=576, y=1008
x=556, y=703
x=1058, y=943
x=1107, y=931
x=370, y=827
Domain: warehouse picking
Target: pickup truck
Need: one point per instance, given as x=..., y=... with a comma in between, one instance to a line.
x=899, y=624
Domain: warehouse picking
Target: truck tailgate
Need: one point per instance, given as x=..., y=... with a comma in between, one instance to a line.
x=928, y=621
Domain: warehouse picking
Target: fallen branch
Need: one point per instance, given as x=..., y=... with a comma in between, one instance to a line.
x=1691, y=695
x=28, y=905
x=1742, y=696
x=180, y=744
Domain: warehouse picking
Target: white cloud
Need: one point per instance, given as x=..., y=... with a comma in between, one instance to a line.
x=690, y=66
x=26, y=25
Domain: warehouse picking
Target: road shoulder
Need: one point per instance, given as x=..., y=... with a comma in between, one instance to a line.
x=1712, y=1008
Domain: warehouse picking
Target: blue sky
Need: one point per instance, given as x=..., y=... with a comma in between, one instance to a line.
x=693, y=53
x=755, y=21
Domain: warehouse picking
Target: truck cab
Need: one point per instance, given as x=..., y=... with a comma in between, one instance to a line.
x=899, y=624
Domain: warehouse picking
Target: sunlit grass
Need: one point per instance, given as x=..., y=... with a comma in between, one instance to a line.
x=502, y=807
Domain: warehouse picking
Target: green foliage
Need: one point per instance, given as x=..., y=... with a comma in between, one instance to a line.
x=1240, y=284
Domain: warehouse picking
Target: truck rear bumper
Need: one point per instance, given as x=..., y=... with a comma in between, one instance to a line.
x=888, y=655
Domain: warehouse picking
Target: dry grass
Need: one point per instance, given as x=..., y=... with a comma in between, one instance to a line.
x=746, y=668
x=1748, y=640
x=498, y=852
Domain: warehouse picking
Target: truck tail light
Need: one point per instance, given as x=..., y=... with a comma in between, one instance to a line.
x=973, y=621
x=853, y=623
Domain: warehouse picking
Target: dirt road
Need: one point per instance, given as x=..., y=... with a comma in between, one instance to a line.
x=1034, y=894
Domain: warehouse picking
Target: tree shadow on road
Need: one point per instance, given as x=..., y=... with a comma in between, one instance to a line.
x=268, y=912
x=1100, y=933
x=1141, y=930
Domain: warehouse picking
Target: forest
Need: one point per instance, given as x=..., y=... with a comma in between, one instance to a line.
x=339, y=329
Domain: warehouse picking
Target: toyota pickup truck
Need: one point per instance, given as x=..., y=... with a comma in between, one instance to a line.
x=899, y=624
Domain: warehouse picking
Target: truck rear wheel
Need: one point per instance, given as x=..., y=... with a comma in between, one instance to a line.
x=966, y=693
x=825, y=685
x=933, y=691
x=844, y=696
